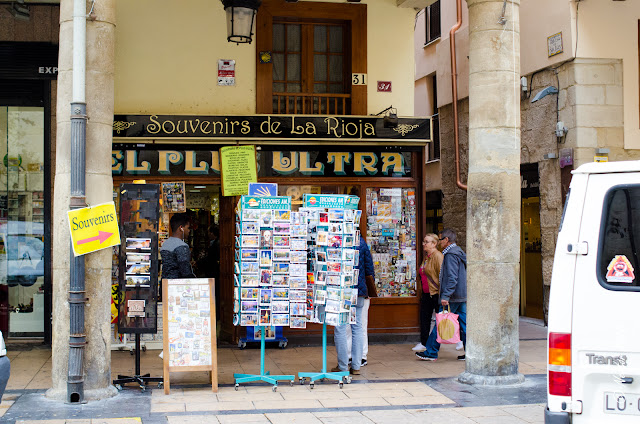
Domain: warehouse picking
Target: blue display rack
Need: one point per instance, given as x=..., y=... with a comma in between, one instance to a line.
x=282, y=341
x=263, y=376
x=341, y=376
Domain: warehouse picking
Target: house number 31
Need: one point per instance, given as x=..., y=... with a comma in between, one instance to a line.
x=358, y=79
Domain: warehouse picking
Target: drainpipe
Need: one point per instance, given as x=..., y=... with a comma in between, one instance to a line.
x=77, y=294
x=454, y=89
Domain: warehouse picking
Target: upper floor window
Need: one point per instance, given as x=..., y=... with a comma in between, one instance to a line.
x=432, y=19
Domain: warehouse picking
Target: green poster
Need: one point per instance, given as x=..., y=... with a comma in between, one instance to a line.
x=237, y=169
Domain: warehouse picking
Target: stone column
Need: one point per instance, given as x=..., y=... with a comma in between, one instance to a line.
x=100, y=105
x=493, y=202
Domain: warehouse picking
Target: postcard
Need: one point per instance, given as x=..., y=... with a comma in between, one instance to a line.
x=249, y=255
x=334, y=266
x=354, y=296
x=334, y=240
x=249, y=280
x=321, y=266
x=236, y=268
x=348, y=255
x=311, y=314
x=345, y=306
x=280, y=307
x=265, y=297
x=138, y=243
x=298, y=269
x=278, y=293
x=250, y=227
x=281, y=255
x=321, y=277
x=347, y=241
x=141, y=268
x=281, y=215
x=280, y=320
x=249, y=294
x=334, y=279
x=298, y=309
x=310, y=278
x=332, y=306
x=250, y=240
x=321, y=256
x=298, y=218
x=133, y=257
x=335, y=227
x=333, y=293
x=280, y=280
x=264, y=317
x=324, y=217
x=299, y=231
x=334, y=254
x=265, y=277
x=298, y=283
x=297, y=295
x=138, y=280
x=281, y=268
x=347, y=268
x=298, y=322
x=266, y=218
x=250, y=214
x=238, y=228
x=249, y=306
x=281, y=241
x=298, y=256
x=248, y=320
x=332, y=319
x=282, y=228
x=173, y=197
x=349, y=215
x=336, y=214
x=352, y=316
x=347, y=280
x=236, y=282
x=321, y=297
x=266, y=239
x=348, y=228
x=356, y=221
x=322, y=238
x=265, y=258
x=249, y=267
x=297, y=243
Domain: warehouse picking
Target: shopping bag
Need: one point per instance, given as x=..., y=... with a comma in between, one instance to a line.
x=448, y=327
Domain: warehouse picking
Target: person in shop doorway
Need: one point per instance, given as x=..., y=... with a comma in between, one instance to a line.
x=358, y=330
x=430, y=278
x=453, y=291
x=176, y=255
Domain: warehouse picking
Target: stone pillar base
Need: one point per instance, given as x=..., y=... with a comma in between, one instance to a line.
x=490, y=380
x=89, y=395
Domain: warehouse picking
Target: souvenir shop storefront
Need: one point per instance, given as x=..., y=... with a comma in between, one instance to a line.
x=302, y=154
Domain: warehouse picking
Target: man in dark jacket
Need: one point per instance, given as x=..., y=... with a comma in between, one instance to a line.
x=176, y=255
x=340, y=333
x=453, y=291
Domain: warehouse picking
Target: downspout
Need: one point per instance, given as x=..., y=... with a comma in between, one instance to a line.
x=454, y=89
x=77, y=294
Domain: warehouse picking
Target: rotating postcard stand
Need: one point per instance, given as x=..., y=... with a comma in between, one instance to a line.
x=138, y=271
x=332, y=221
x=263, y=376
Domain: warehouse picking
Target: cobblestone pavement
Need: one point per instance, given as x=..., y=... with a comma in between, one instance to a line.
x=394, y=386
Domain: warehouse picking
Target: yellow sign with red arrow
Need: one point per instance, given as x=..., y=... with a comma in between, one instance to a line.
x=94, y=228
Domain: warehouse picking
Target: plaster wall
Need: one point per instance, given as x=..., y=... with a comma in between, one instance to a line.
x=167, y=55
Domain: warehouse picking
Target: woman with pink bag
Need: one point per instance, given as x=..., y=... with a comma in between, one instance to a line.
x=429, y=276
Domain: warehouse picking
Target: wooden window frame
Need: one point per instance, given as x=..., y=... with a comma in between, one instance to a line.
x=430, y=23
x=354, y=14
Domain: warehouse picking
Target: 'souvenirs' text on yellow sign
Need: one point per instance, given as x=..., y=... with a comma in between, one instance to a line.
x=93, y=228
x=238, y=168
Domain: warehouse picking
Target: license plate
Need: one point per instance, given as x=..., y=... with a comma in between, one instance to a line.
x=621, y=403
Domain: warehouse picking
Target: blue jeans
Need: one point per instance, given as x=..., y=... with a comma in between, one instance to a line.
x=432, y=345
x=357, y=338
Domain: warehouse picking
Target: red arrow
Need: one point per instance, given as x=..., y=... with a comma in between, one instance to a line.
x=102, y=236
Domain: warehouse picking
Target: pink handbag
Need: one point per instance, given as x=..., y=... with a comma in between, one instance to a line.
x=448, y=327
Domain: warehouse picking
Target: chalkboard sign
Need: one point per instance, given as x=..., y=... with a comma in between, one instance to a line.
x=189, y=328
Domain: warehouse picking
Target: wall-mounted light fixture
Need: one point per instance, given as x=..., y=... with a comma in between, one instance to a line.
x=551, y=155
x=241, y=16
x=19, y=10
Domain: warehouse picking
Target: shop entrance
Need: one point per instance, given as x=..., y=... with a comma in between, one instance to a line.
x=531, y=290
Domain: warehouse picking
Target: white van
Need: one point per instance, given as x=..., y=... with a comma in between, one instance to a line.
x=594, y=309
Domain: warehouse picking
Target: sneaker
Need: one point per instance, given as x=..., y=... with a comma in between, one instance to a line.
x=354, y=372
x=459, y=346
x=336, y=369
x=424, y=357
x=462, y=358
x=364, y=362
x=419, y=348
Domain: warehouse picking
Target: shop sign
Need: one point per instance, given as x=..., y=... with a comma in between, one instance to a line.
x=266, y=202
x=238, y=169
x=147, y=162
x=270, y=127
x=93, y=228
x=330, y=201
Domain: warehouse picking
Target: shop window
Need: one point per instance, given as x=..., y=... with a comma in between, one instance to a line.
x=432, y=20
x=391, y=235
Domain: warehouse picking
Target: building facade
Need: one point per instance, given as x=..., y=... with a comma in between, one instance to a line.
x=579, y=103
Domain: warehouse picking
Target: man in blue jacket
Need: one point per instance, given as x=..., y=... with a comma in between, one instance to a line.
x=453, y=291
x=365, y=267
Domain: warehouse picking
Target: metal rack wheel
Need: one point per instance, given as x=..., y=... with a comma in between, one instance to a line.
x=160, y=385
x=341, y=384
x=346, y=379
x=119, y=387
x=236, y=387
x=282, y=344
x=275, y=387
x=144, y=348
x=301, y=381
x=311, y=385
x=242, y=345
x=291, y=383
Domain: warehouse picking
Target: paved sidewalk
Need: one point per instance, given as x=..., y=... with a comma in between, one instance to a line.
x=394, y=386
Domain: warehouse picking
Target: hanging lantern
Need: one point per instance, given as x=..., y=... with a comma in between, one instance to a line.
x=241, y=16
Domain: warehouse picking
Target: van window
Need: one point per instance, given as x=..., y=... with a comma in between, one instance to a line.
x=620, y=239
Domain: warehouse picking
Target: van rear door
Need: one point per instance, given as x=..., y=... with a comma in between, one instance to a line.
x=606, y=302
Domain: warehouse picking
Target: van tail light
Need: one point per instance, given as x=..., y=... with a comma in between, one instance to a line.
x=559, y=364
